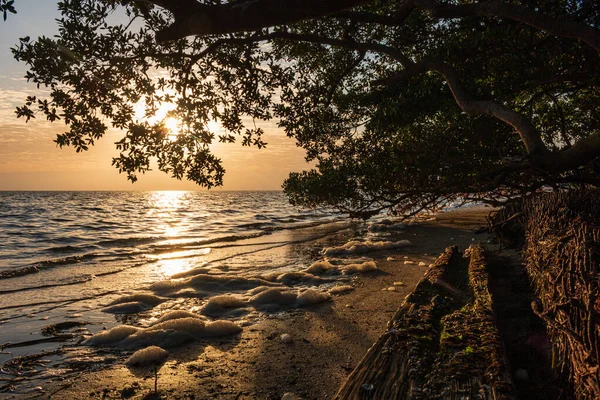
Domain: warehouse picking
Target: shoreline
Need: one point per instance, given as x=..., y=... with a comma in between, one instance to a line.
x=327, y=340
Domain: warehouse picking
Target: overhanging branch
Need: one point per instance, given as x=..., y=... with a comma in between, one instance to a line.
x=193, y=18
x=556, y=26
x=530, y=136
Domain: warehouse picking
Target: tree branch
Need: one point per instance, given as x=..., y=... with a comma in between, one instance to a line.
x=193, y=18
x=369, y=18
x=557, y=26
x=530, y=136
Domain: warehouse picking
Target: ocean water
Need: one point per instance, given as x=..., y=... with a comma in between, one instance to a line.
x=66, y=257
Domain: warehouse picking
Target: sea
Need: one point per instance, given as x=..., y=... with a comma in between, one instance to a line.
x=76, y=264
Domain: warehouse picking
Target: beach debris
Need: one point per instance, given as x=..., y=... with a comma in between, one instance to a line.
x=147, y=361
x=340, y=289
x=55, y=329
x=130, y=390
x=290, y=396
x=367, y=387
x=358, y=247
x=422, y=264
x=391, y=259
x=408, y=262
x=286, y=338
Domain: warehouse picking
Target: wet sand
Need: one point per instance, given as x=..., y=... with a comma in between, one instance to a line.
x=327, y=340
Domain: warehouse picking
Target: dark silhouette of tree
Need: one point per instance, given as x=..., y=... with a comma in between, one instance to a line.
x=402, y=104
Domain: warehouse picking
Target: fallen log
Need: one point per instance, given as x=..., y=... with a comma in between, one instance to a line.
x=441, y=344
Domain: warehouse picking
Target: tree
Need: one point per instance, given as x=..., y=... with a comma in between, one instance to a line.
x=402, y=104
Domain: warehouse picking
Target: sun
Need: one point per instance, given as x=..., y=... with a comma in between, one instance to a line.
x=173, y=126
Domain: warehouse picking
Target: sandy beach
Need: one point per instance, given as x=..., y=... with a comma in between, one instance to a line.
x=325, y=341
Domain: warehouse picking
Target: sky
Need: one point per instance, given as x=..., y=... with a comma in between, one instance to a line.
x=30, y=160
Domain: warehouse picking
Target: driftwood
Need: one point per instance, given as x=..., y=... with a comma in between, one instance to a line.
x=562, y=255
x=441, y=344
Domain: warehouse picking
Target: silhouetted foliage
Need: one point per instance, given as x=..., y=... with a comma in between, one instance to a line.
x=401, y=104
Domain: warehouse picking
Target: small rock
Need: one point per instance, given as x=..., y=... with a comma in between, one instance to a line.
x=408, y=262
x=391, y=289
x=367, y=386
x=422, y=264
x=286, y=338
x=348, y=305
x=472, y=239
x=399, y=283
x=451, y=238
x=127, y=392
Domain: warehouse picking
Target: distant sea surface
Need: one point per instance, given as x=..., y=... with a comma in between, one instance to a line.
x=50, y=230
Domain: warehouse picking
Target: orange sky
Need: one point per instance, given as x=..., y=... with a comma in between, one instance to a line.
x=30, y=160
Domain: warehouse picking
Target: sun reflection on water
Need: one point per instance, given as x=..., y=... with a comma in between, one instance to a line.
x=164, y=205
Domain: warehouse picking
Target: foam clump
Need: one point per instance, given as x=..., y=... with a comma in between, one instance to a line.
x=111, y=336
x=322, y=266
x=152, y=355
x=310, y=297
x=258, y=290
x=175, y=330
x=218, y=305
x=291, y=278
x=364, y=267
x=159, y=337
x=386, y=225
x=167, y=286
x=340, y=289
x=193, y=326
x=357, y=247
x=149, y=299
x=192, y=272
x=226, y=282
x=221, y=328
x=273, y=296
x=176, y=315
x=133, y=307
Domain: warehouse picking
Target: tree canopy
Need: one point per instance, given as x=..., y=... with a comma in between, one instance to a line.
x=402, y=105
